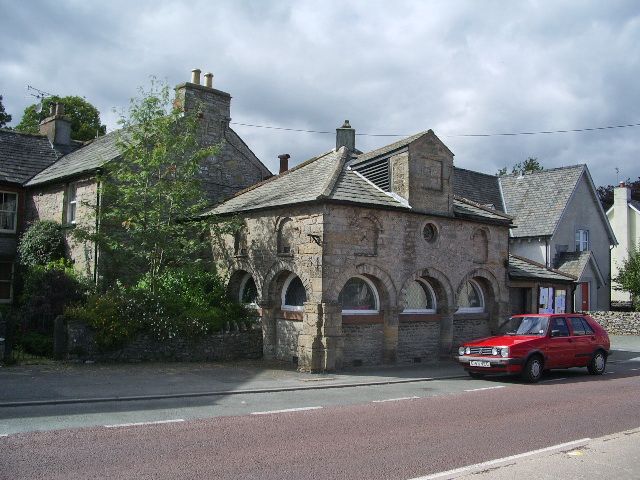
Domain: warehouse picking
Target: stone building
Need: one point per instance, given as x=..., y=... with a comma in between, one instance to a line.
x=56, y=176
x=357, y=258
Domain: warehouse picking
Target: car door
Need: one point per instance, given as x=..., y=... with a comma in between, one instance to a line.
x=583, y=343
x=560, y=345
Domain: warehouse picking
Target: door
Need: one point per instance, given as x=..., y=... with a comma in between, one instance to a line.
x=584, y=293
x=583, y=341
x=560, y=349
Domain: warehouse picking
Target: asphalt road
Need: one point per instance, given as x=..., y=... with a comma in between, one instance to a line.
x=384, y=432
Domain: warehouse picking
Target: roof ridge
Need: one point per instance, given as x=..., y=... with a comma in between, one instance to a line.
x=477, y=172
x=24, y=134
x=482, y=207
x=338, y=169
x=545, y=170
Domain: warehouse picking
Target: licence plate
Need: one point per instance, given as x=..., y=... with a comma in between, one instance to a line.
x=478, y=363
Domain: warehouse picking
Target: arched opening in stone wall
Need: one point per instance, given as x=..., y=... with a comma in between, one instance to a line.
x=477, y=308
x=242, y=288
x=359, y=296
x=285, y=236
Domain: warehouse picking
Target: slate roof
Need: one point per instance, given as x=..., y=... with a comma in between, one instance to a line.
x=90, y=157
x=573, y=263
x=537, y=200
x=523, y=268
x=24, y=155
x=479, y=187
x=387, y=149
x=467, y=208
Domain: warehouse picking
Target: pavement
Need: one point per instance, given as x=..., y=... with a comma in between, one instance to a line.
x=65, y=382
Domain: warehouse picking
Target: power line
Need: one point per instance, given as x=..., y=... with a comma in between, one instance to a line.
x=508, y=134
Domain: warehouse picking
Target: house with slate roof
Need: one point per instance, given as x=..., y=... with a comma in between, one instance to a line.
x=624, y=216
x=355, y=258
x=51, y=177
x=558, y=222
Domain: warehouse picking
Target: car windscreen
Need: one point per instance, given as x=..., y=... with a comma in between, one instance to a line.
x=532, y=325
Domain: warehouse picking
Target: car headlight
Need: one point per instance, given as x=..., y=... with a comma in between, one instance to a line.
x=467, y=350
x=461, y=351
x=505, y=351
x=495, y=351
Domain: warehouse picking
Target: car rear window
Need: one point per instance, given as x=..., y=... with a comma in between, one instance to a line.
x=580, y=326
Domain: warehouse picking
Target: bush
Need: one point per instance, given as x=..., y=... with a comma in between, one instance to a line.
x=42, y=243
x=36, y=343
x=187, y=302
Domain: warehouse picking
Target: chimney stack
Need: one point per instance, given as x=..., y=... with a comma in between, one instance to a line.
x=208, y=80
x=346, y=137
x=195, y=76
x=284, y=162
x=56, y=126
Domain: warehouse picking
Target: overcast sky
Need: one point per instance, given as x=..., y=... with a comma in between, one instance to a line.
x=390, y=67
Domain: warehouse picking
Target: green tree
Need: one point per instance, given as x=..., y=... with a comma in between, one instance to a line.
x=4, y=117
x=628, y=278
x=85, y=118
x=152, y=191
x=529, y=165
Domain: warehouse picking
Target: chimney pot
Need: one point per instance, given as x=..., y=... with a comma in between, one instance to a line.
x=208, y=80
x=195, y=76
x=622, y=184
x=284, y=162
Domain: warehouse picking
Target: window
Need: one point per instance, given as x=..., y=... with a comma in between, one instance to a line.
x=6, y=274
x=580, y=326
x=71, y=203
x=559, y=327
x=582, y=240
x=8, y=211
x=359, y=296
x=240, y=243
x=470, y=299
x=293, y=293
x=248, y=291
x=419, y=298
x=285, y=237
x=430, y=233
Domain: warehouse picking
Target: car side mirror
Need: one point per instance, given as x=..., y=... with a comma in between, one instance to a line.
x=555, y=333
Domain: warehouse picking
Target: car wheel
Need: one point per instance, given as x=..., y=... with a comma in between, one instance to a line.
x=598, y=363
x=532, y=372
x=476, y=374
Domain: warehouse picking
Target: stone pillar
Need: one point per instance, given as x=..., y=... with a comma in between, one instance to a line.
x=390, y=332
x=59, y=338
x=320, y=343
x=446, y=331
x=269, y=332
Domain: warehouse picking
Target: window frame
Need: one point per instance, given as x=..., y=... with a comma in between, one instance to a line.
x=15, y=212
x=10, y=282
x=283, y=295
x=376, y=298
x=433, y=297
x=582, y=239
x=71, y=187
x=482, y=307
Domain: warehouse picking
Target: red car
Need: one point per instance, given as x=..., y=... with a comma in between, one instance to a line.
x=533, y=343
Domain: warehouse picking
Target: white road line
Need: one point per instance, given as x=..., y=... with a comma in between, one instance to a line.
x=552, y=380
x=394, y=399
x=286, y=410
x=485, y=388
x=608, y=373
x=634, y=369
x=493, y=463
x=4, y=435
x=136, y=424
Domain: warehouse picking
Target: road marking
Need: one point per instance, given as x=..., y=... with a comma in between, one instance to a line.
x=553, y=380
x=634, y=369
x=286, y=410
x=485, y=388
x=394, y=399
x=493, y=463
x=4, y=435
x=136, y=424
x=609, y=373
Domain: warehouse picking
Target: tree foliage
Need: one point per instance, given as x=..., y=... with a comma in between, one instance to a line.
x=628, y=277
x=605, y=193
x=529, y=165
x=85, y=118
x=152, y=192
x=4, y=116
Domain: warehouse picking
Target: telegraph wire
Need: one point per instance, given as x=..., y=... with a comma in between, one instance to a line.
x=504, y=134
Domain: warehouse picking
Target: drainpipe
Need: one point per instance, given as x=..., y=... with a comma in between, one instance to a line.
x=97, y=227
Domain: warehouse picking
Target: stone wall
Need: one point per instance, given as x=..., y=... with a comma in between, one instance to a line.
x=363, y=344
x=418, y=342
x=287, y=332
x=224, y=346
x=618, y=323
x=467, y=327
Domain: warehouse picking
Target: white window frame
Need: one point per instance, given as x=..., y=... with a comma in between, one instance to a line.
x=243, y=284
x=15, y=213
x=433, y=296
x=582, y=238
x=376, y=298
x=479, y=309
x=285, y=287
x=10, y=281
x=72, y=187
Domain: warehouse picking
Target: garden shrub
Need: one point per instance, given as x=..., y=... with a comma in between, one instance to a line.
x=42, y=243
